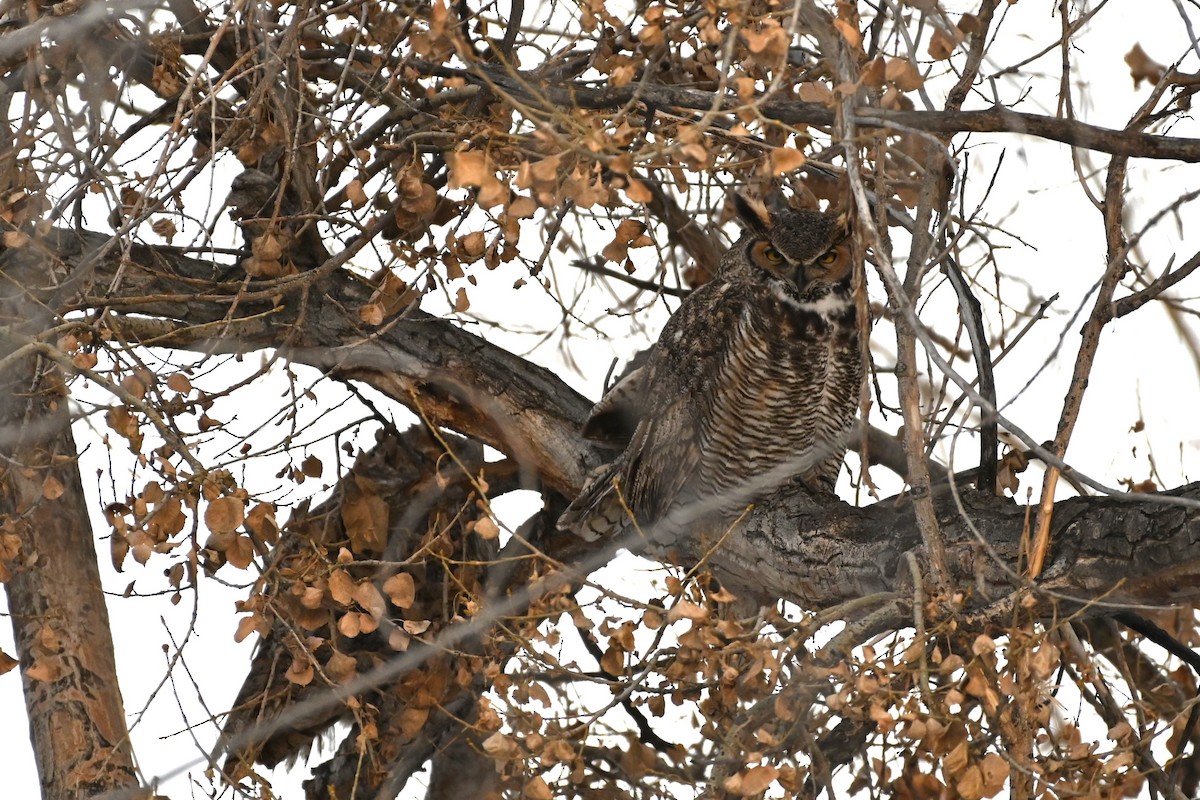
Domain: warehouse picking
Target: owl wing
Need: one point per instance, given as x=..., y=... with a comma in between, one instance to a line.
x=664, y=449
x=615, y=417
x=690, y=387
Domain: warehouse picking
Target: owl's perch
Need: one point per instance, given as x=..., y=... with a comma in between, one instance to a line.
x=1108, y=552
x=1131, y=550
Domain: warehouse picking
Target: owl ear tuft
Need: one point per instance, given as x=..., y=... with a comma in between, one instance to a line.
x=752, y=212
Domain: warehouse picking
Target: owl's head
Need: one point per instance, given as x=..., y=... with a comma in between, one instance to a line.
x=802, y=245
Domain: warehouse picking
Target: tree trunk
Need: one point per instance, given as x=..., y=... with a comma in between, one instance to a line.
x=60, y=622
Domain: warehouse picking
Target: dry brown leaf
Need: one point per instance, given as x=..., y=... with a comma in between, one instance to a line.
x=956, y=760
x=301, y=671
x=522, y=207
x=261, y=522
x=630, y=233
x=1121, y=761
x=372, y=314
x=500, y=746
x=312, y=467
x=118, y=550
x=365, y=516
x=995, y=773
x=652, y=618
x=786, y=159
x=770, y=41
x=224, y=514
x=637, y=192
x=178, y=382
x=412, y=719
x=401, y=589
x=969, y=24
x=341, y=587
x=537, y=789
x=1142, y=67
x=970, y=784
x=135, y=385
x=52, y=488
x=983, y=644
x=168, y=519
x=350, y=624
x=368, y=596
x=164, y=228
x=355, y=194
x=15, y=240
x=695, y=155
x=473, y=245
x=873, y=74
x=904, y=74
x=687, y=610
x=848, y=32
x=1013, y=463
x=556, y=751
x=650, y=36
x=341, y=667
x=613, y=660
x=1044, y=661
x=884, y=721
x=757, y=779
x=942, y=44
x=813, y=92
x=486, y=528
x=240, y=552
x=469, y=168
x=311, y=597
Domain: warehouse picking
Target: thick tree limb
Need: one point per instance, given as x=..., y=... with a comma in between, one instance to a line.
x=1107, y=551
x=419, y=360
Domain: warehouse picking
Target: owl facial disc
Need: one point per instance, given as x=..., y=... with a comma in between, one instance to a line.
x=832, y=266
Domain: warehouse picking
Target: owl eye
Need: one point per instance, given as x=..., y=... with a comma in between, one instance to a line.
x=828, y=258
x=766, y=256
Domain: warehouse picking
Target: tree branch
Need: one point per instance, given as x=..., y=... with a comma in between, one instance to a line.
x=528, y=89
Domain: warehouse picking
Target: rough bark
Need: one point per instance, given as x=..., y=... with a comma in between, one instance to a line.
x=454, y=378
x=1108, y=552
x=60, y=622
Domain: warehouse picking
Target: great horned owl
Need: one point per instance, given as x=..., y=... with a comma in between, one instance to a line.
x=280, y=243
x=754, y=381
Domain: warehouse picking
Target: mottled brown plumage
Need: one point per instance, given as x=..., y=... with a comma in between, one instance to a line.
x=753, y=382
